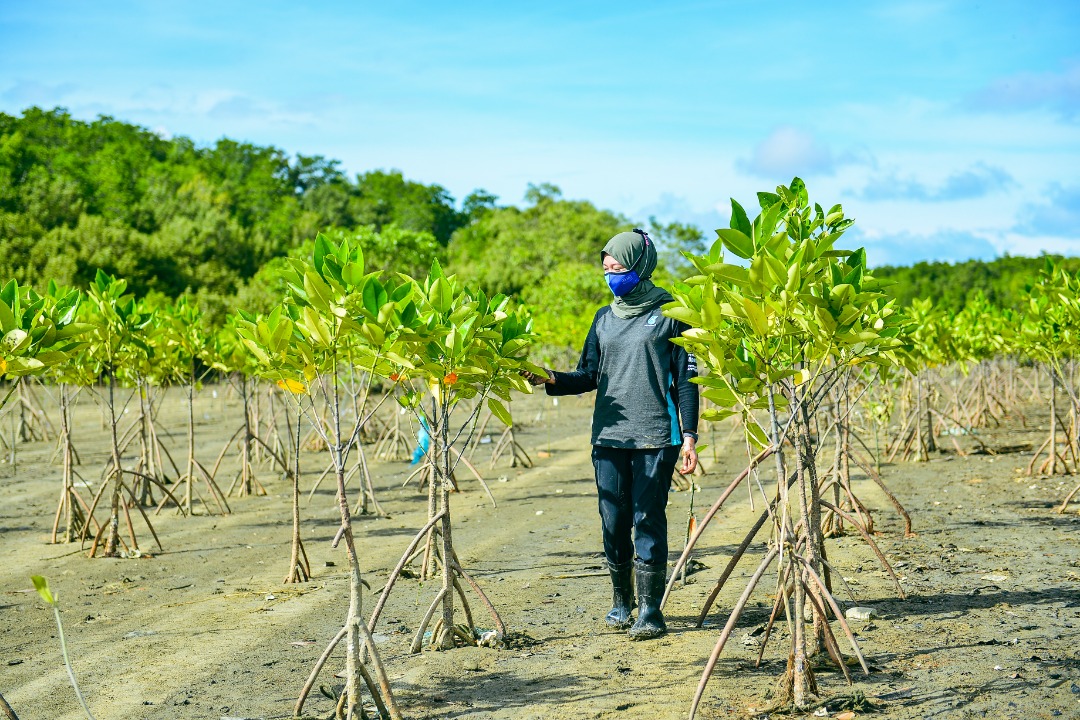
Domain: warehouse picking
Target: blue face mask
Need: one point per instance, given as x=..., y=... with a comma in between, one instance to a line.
x=622, y=283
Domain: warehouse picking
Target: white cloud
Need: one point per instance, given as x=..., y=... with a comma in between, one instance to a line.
x=977, y=181
x=676, y=208
x=1058, y=215
x=25, y=93
x=1058, y=92
x=904, y=248
x=789, y=151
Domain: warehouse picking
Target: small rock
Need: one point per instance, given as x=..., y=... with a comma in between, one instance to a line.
x=861, y=613
x=539, y=512
x=995, y=578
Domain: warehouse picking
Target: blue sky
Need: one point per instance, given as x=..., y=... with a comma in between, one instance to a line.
x=949, y=130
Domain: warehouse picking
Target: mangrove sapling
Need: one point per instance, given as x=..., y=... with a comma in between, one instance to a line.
x=40, y=334
x=227, y=354
x=116, y=322
x=72, y=508
x=394, y=443
x=838, y=477
x=184, y=343
x=334, y=313
x=507, y=443
x=1048, y=336
x=473, y=348
x=42, y=587
x=245, y=482
x=37, y=332
x=778, y=336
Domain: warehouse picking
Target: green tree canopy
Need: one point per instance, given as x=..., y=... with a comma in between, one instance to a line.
x=170, y=216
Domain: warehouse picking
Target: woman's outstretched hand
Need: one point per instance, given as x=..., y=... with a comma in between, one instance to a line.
x=535, y=379
x=689, y=456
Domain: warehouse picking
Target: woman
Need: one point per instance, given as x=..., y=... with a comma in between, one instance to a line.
x=643, y=390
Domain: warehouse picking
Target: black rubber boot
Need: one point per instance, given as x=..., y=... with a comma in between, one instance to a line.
x=650, y=591
x=622, y=583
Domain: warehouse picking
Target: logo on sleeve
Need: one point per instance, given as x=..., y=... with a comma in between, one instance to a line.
x=652, y=320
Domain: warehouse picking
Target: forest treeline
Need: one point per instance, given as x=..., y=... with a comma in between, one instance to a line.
x=173, y=217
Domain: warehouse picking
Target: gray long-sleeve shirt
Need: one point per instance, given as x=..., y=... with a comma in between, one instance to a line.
x=641, y=379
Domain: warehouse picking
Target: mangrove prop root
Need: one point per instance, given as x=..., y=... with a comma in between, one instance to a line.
x=418, y=640
x=871, y=543
x=500, y=628
x=464, y=604
x=709, y=516
x=831, y=645
x=1068, y=498
x=892, y=498
x=405, y=557
x=306, y=690
x=780, y=601
x=732, y=619
x=8, y=712
x=380, y=670
x=730, y=568
x=839, y=615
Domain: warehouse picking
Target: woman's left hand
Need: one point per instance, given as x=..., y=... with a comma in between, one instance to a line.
x=689, y=456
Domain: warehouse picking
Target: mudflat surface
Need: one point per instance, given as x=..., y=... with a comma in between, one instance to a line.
x=206, y=629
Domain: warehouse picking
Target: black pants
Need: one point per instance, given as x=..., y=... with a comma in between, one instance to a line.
x=633, y=487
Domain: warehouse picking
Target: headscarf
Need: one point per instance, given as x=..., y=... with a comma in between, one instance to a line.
x=636, y=250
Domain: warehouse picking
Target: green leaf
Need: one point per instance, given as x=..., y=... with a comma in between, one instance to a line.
x=721, y=396
x=798, y=188
x=756, y=435
x=737, y=242
x=7, y=318
x=767, y=199
x=758, y=320
x=442, y=295
x=684, y=314
x=711, y=316
x=371, y=297
x=318, y=292
x=734, y=274
x=436, y=271
x=500, y=411
x=353, y=272
x=739, y=221
x=716, y=414
x=323, y=247
x=42, y=587
x=794, y=275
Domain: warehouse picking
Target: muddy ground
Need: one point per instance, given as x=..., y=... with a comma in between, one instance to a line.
x=205, y=628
